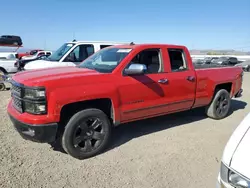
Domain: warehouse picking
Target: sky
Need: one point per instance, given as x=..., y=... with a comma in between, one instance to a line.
x=198, y=24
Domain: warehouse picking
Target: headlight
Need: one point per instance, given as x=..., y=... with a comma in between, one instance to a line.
x=34, y=101
x=34, y=108
x=233, y=178
x=34, y=93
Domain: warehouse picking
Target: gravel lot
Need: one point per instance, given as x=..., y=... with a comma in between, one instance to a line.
x=180, y=150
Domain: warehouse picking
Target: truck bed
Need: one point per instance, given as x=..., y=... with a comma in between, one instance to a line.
x=206, y=66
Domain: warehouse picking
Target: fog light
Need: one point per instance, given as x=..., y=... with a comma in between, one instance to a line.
x=238, y=181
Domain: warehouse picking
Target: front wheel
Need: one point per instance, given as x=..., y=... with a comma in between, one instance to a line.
x=86, y=134
x=220, y=106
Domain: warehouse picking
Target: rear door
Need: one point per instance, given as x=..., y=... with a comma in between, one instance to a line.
x=180, y=91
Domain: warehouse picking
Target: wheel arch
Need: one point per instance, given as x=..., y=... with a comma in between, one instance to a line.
x=104, y=104
x=3, y=69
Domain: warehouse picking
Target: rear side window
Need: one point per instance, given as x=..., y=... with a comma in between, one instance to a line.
x=41, y=53
x=232, y=59
x=104, y=46
x=90, y=50
x=48, y=53
x=177, y=60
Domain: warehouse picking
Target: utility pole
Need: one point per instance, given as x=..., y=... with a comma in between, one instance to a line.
x=45, y=45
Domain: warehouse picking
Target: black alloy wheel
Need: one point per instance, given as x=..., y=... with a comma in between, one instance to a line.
x=222, y=105
x=87, y=133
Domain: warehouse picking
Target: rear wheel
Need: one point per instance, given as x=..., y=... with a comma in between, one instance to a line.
x=220, y=106
x=86, y=134
x=248, y=69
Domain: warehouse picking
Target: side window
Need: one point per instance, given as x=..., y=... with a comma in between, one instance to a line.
x=80, y=53
x=41, y=53
x=177, y=60
x=232, y=59
x=104, y=46
x=90, y=50
x=48, y=53
x=151, y=58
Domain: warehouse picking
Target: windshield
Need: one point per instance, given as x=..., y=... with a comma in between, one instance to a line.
x=106, y=60
x=33, y=52
x=60, y=52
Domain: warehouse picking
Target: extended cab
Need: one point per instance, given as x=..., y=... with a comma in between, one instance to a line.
x=69, y=54
x=118, y=84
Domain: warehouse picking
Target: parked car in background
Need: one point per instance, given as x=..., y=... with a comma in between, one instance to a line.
x=7, y=55
x=230, y=61
x=79, y=105
x=31, y=52
x=7, y=65
x=22, y=62
x=11, y=40
x=235, y=163
x=36, y=55
x=69, y=54
x=245, y=65
x=208, y=60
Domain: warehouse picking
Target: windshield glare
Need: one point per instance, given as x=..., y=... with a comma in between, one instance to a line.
x=106, y=60
x=60, y=52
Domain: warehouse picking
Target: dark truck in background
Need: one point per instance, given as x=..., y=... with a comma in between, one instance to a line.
x=78, y=106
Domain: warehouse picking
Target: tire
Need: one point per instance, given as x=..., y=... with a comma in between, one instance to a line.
x=248, y=69
x=2, y=87
x=86, y=134
x=220, y=105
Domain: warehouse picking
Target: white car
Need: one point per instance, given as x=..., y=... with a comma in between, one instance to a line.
x=235, y=164
x=69, y=54
x=7, y=64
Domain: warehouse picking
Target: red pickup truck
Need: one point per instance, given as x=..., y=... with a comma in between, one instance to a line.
x=80, y=105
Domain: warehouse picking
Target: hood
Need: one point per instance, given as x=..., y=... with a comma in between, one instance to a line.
x=233, y=146
x=43, y=76
x=28, y=57
x=241, y=158
x=41, y=64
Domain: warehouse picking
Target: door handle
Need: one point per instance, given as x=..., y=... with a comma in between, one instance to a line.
x=163, y=81
x=191, y=78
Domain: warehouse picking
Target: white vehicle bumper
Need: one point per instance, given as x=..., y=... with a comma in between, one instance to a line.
x=222, y=184
x=11, y=69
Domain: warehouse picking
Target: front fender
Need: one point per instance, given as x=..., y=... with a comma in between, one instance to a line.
x=60, y=97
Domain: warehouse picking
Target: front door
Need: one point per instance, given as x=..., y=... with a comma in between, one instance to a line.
x=143, y=95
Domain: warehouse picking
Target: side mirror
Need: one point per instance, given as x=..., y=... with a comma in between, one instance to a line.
x=135, y=69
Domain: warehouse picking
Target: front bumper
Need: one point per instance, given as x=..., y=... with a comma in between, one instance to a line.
x=221, y=184
x=38, y=133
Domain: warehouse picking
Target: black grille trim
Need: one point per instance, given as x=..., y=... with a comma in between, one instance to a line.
x=16, y=94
